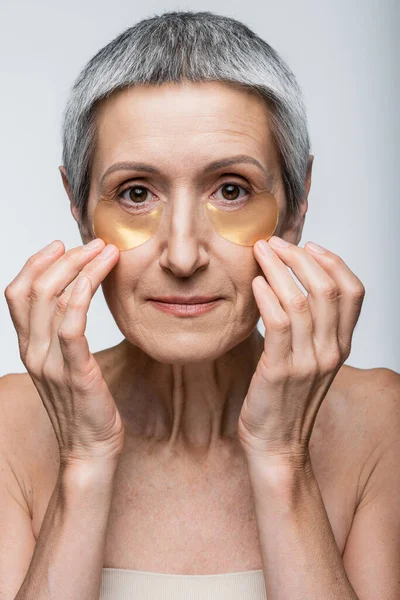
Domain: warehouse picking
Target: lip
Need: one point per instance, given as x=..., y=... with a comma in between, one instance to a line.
x=185, y=299
x=185, y=309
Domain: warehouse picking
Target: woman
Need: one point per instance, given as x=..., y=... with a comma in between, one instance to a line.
x=195, y=458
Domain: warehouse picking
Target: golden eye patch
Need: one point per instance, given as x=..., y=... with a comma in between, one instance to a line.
x=254, y=220
x=242, y=222
x=116, y=225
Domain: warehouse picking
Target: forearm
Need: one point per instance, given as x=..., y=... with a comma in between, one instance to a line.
x=299, y=552
x=69, y=553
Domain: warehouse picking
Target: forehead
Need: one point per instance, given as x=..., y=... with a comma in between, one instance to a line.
x=181, y=125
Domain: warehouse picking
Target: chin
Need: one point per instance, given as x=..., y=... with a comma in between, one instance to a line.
x=185, y=347
x=181, y=349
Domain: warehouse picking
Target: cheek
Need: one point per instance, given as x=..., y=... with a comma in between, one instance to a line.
x=120, y=284
x=243, y=270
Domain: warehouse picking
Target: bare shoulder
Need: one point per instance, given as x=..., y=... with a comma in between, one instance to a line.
x=362, y=398
x=372, y=396
x=27, y=436
x=360, y=412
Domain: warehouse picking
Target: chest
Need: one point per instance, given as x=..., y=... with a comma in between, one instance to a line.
x=202, y=521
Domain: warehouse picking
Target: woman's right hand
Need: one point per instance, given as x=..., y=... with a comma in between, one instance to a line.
x=50, y=320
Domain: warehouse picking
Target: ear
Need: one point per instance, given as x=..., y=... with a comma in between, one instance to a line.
x=65, y=181
x=67, y=188
x=294, y=228
x=85, y=235
x=308, y=177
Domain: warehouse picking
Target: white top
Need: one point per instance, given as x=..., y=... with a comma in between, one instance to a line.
x=126, y=584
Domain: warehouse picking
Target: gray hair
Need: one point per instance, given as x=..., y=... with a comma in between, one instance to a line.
x=197, y=46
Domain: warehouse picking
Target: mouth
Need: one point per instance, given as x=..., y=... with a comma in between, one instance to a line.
x=185, y=306
x=185, y=299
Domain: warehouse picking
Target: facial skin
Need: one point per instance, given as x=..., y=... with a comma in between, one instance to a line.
x=182, y=381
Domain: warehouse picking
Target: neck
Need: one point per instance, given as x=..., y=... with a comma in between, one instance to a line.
x=190, y=408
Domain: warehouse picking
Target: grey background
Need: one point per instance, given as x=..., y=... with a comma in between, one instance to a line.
x=345, y=56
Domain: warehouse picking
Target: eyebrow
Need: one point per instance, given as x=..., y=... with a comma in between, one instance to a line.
x=213, y=166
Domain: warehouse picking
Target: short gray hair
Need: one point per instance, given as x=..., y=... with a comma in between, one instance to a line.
x=197, y=46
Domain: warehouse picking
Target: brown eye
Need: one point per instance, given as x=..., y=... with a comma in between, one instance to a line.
x=137, y=194
x=231, y=191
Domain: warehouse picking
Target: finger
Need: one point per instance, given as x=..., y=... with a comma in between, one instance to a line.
x=17, y=293
x=323, y=295
x=352, y=293
x=293, y=301
x=71, y=333
x=96, y=270
x=278, y=336
x=48, y=285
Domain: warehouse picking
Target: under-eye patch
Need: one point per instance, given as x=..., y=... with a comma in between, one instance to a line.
x=242, y=221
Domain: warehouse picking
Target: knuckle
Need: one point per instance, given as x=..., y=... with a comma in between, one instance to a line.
x=33, y=260
x=299, y=303
x=37, y=291
x=328, y=291
x=346, y=351
x=48, y=371
x=61, y=305
x=358, y=293
x=88, y=380
x=277, y=375
x=33, y=362
x=345, y=348
x=306, y=370
x=67, y=333
x=22, y=355
x=53, y=370
x=72, y=257
x=281, y=324
x=76, y=302
x=10, y=292
x=335, y=259
x=22, y=349
x=331, y=361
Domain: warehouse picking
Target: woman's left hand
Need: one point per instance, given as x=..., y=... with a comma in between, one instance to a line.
x=307, y=339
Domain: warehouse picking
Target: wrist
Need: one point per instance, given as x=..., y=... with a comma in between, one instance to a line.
x=279, y=471
x=88, y=474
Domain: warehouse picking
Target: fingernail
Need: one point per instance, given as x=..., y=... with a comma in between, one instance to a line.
x=51, y=248
x=264, y=247
x=278, y=242
x=315, y=248
x=97, y=243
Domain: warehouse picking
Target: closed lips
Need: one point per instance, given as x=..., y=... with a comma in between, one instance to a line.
x=182, y=300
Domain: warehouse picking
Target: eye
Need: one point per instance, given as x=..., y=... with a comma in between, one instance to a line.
x=230, y=191
x=137, y=194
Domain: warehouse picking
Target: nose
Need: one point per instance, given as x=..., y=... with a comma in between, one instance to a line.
x=184, y=250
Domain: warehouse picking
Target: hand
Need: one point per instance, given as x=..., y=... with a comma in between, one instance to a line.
x=307, y=339
x=50, y=320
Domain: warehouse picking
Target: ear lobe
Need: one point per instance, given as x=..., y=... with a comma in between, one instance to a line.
x=304, y=203
x=86, y=236
x=73, y=207
x=65, y=181
x=308, y=175
x=74, y=212
x=292, y=227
